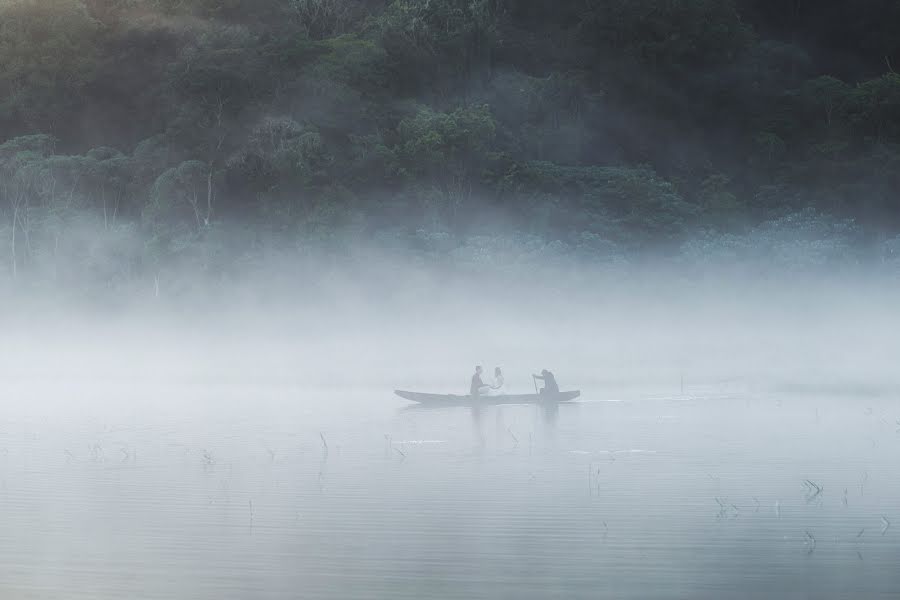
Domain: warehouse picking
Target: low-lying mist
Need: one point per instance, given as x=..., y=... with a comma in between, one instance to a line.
x=246, y=424
x=377, y=319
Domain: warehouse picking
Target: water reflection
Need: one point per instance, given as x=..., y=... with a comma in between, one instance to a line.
x=477, y=426
x=644, y=499
x=550, y=412
x=547, y=413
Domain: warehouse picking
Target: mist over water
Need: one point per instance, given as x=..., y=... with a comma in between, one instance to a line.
x=726, y=433
x=231, y=230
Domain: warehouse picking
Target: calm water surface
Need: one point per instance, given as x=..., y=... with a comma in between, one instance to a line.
x=132, y=490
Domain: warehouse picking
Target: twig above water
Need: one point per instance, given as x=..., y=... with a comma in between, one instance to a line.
x=810, y=543
x=324, y=443
x=814, y=490
x=515, y=439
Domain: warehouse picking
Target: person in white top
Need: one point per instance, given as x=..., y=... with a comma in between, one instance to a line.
x=498, y=389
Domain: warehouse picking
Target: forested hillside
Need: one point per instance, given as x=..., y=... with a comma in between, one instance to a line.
x=212, y=133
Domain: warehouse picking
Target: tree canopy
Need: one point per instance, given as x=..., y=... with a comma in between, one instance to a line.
x=608, y=127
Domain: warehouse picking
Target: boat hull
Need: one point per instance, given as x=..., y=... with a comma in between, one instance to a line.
x=454, y=400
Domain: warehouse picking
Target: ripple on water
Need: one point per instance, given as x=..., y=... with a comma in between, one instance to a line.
x=245, y=501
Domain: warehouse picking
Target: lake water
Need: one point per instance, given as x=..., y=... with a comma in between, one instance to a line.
x=138, y=490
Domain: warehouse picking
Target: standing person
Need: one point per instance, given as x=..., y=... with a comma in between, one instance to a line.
x=550, y=386
x=477, y=383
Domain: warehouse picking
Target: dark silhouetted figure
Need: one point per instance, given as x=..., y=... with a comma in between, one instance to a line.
x=550, y=386
x=477, y=384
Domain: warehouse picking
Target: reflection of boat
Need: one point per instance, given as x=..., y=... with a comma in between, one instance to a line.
x=454, y=400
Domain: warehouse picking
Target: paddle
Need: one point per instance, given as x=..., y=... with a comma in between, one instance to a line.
x=534, y=381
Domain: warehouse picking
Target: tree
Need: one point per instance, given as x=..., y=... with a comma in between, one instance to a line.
x=875, y=108
x=827, y=94
x=323, y=18
x=20, y=174
x=440, y=44
x=180, y=195
x=448, y=150
x=48, y=52
x=670, y=37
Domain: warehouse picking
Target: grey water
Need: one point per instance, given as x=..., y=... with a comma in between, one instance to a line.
x=133, y=489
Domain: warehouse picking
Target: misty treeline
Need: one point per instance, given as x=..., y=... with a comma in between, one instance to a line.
x=145, y=138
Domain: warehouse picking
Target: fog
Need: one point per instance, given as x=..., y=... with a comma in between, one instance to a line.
x=401, y=325
x=231, y=231
x=244, y=440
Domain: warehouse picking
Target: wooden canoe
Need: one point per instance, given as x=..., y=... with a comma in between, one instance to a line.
x=454, y=400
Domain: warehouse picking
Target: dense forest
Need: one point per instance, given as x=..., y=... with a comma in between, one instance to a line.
x=138, y=138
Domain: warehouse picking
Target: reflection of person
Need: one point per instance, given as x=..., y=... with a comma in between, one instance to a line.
x=498, y=388
x=477, y=384
x=550, y=386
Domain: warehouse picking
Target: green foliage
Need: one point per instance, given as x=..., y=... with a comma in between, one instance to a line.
x=351, y=61
x=443, y=158
x=445, y=145
x=48, y=52
x=180, y=197
x=670, y=36
x=548, y=117
x=443, y=42
x=797, y=241
x=342, y=86
x=633, y=204
x=720, y=205
x=875, y=108
x=320, y=19
x=827, y=96
x=468, y=129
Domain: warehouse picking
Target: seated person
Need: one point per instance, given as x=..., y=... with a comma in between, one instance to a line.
x=477, y=384
x=498, y=389
x=550, y=386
